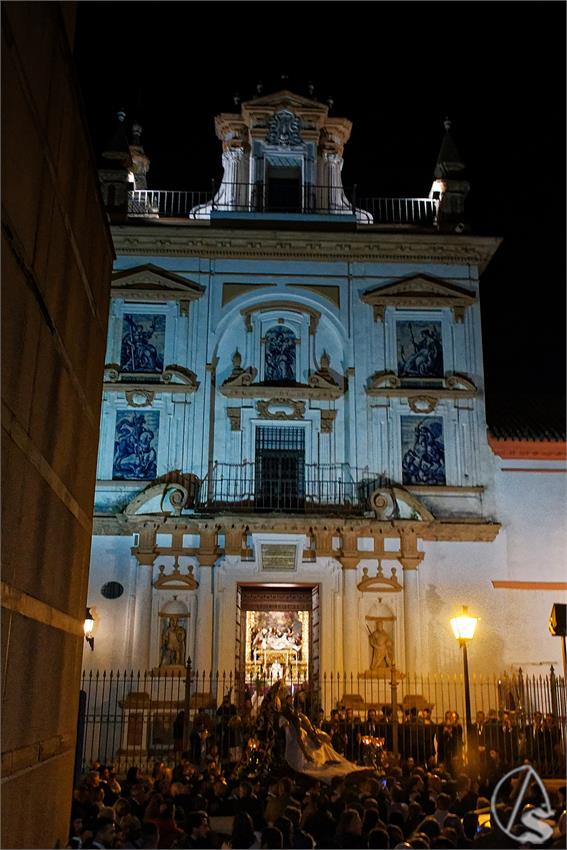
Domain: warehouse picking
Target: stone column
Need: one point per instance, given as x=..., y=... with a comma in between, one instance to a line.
x=410, y=559
x=350, y=612
x=143, y=613
x=411, y=613
x=204, y=631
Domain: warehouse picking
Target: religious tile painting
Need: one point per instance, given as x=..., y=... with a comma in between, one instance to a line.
x=420, y=349
x=423, y=450
x=143, y=338
x=135, y=445
x=280, y=354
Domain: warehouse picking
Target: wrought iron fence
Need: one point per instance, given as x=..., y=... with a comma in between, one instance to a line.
x=258, y=198
x=138, y=717
x=327, y=488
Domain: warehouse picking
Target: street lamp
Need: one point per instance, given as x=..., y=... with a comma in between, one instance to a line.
x=88, y=627
x=464, y=628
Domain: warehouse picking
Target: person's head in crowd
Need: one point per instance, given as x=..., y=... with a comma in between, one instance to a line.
x=370, y=820
x=430, y=827
x=420, y=841
x=294, y=815
x=397, y=817
x=378, y=839
x=149, y=838
x=443, y=802
x=197, y=825
x=140, y=792
x=470, y=824
x=453, y=822
x=103, y=831
x=130, y=829
x=121, y=808
x=242, y=836
x=285, y=786
x=132, y=774
x=285, y=826
x=451, y=834
x=350, y=823
x=272, y=839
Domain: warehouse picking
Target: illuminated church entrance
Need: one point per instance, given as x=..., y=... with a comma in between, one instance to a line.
x=278, y=633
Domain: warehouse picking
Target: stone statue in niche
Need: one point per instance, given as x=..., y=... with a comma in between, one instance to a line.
x=173, y=643
x=382, y=651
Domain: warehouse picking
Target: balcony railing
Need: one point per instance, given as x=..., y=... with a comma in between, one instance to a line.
x=317, y=488
x=257, y=199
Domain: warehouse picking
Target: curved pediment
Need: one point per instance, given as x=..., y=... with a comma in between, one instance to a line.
x=395, y=502
x=166, y=497
x=152, y=283
x=293, y=306
x=419, y=291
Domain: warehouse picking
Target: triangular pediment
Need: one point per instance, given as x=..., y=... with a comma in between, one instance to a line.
x=419, y=291
x=285, y=100
x=152, y=281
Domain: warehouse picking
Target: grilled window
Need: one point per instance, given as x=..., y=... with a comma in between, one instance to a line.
x=280, y=469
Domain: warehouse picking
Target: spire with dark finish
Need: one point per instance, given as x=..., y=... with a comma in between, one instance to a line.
x=449, y=161
x=450, y=188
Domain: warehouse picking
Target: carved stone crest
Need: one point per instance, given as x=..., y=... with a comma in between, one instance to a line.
x=284, y=129
x=272, y=408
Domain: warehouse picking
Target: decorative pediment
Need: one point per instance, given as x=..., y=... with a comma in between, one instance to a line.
x=379, y=583
x=176, y=580
x=173, y=379
x=421, y=292
x=174, y=494
x=424, y=393
x=152, y=283
x=321, y=385
x=237, y=380
x=395, y=502
x=294, y=306
x=285, y=99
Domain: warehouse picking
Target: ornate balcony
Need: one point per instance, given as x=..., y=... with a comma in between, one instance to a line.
x=293, y=487
x=243, y=200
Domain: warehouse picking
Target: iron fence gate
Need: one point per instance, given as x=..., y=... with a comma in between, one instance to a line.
x=138, y=717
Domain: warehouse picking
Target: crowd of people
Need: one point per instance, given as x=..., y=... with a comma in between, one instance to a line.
x=292, y=780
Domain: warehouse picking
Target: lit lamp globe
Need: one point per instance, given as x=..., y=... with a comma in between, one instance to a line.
x=464, y=625
x=88, y=627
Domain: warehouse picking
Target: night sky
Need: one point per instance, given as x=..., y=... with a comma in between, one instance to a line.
x=396, y=69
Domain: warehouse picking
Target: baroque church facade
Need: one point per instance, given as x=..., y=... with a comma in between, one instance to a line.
x=294, y=455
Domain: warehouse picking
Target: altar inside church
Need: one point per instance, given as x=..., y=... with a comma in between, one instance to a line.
x=277, y=645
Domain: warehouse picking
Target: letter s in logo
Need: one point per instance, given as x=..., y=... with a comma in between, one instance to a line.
x=533, y=820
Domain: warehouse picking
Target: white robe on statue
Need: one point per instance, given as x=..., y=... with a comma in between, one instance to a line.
x=327, y=762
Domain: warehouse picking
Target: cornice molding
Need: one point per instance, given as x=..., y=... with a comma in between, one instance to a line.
x=198, y=240
x=482, y=531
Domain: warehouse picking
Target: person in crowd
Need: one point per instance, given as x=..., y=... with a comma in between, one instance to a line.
x=197, y=832
x=271, y=839
x=243, y=836
x=103, y=833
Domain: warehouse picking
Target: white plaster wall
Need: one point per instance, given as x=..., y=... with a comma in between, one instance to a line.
x=111, y=561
